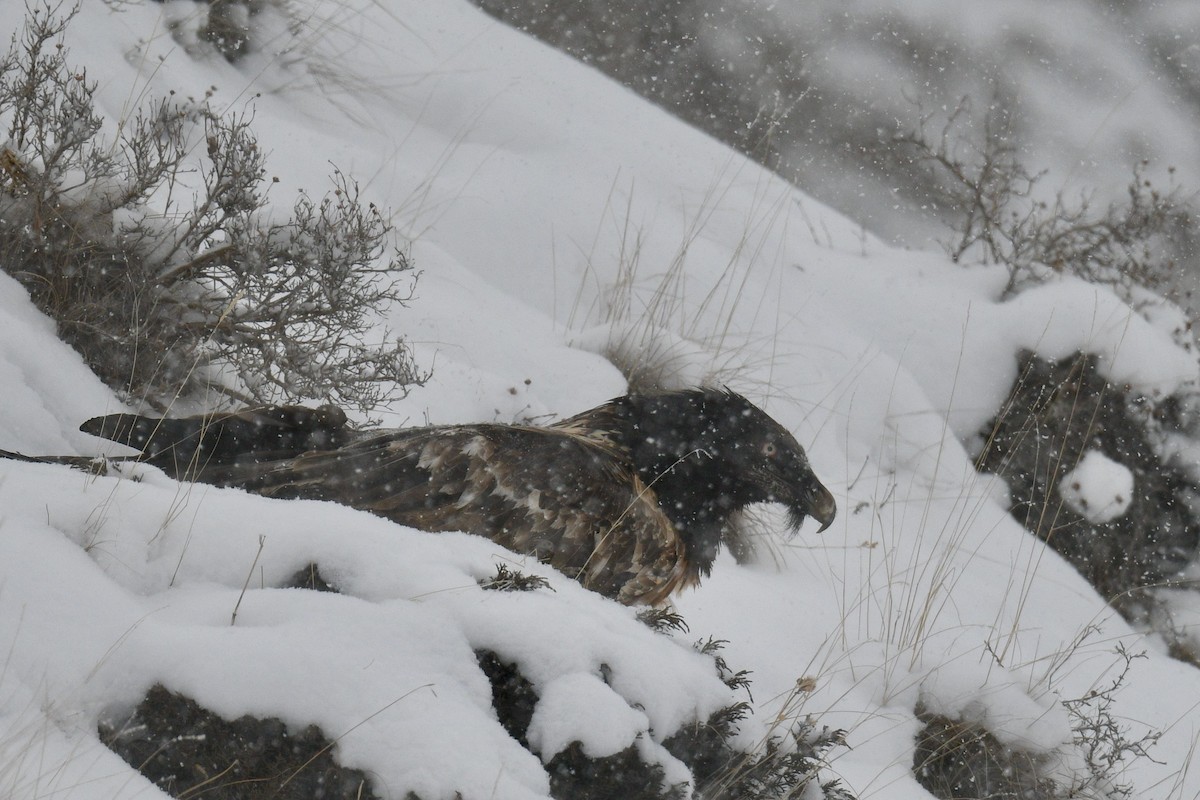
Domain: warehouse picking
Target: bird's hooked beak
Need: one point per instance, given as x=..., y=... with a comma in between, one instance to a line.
x=812, y=500
x=821, y=506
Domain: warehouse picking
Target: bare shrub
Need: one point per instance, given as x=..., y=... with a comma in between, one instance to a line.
x=1001, y=220
x=166, y=288
x=1107, y=744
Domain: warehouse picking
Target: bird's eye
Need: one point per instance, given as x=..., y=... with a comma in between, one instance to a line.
x=769, y=449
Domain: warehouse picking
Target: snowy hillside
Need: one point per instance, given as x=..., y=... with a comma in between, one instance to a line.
x=555, y=218
x=818, y=89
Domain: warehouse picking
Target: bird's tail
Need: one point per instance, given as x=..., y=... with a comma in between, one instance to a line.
x=199, y=447
x=183, y=448
x=145, y=433
x=89, y=463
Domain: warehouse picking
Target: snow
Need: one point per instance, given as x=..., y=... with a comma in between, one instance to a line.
x=1080, y=79
x=582, y=703
x=1183, y=607
x=155, y=574
x=551, y=212
x=43, y=383
x=1098, y=488
x=986, y=696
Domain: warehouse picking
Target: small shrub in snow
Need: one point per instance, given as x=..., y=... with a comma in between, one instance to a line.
x=662, y=620
x=706, y=746
x=1055, y=416
x=1106, y=743
x=739, y=679
x=164, y=286
x=513, y=695
x=188, y=751
x=230, y=28
x=1001, y=220
x=574, y=775
x=309, y=577
x=780, y=769
x=226, y=26
x=958, y=760
x=721, y=770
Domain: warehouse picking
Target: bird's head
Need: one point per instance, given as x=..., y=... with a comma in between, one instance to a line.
x=709, y=453
x=775, y=469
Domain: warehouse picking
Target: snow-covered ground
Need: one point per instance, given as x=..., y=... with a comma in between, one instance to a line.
x=1079, y=79
x=550, y=212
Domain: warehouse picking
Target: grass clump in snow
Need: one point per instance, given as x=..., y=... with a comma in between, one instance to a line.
x=662, y=620
x=188, y=751
x=513, y=580
x=153, y=250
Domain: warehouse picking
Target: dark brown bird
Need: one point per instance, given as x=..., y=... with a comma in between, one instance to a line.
x=631, y=498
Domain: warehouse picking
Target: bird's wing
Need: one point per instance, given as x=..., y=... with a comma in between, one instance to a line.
x=570, y=501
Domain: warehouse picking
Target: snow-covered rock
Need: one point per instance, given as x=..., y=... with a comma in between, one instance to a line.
x=1098, y=488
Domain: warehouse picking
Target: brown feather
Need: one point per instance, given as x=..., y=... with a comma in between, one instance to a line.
x=595, y=496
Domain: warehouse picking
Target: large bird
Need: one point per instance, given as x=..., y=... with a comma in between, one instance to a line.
x=631, y=498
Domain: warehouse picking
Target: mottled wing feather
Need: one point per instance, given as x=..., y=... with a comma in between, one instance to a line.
x=568, y=500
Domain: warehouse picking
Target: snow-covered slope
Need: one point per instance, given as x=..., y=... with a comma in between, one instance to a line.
x=551, y=212
x=818, y=89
